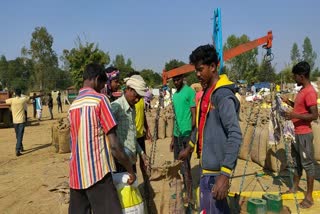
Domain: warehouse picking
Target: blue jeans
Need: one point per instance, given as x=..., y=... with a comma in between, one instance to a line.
x=207, y=202
x=19, y=129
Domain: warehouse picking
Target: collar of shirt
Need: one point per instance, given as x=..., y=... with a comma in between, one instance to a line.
x=124, y=103
x=86, y=89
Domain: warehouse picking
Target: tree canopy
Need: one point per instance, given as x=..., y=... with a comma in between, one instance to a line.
x=82, y=55
x=38, y=66
x=244, y=66
x=45, y=60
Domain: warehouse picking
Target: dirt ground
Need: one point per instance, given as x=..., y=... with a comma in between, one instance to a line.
x=37, y=181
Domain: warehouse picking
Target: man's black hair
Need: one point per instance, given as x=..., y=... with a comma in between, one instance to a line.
x=302, y=68
x=205, y=54
x=18, y=92
x=131, y=73
x=110, y=69
x=94, y=70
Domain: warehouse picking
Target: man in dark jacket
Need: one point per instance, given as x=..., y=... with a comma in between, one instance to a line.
x=59, y=102
x=217, y=133
x=50, y=105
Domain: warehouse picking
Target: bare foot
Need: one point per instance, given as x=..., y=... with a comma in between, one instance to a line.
x=306, y=203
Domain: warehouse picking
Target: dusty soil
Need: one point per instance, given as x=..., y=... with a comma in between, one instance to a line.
x=37, y=181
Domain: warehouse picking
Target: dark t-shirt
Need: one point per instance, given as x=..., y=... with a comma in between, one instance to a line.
x=59, y=100
x=50, y=102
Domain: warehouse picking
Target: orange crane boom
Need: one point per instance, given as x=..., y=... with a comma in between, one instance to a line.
x=265, y=41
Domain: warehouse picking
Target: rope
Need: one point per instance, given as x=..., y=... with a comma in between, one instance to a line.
x=155, y=137
x=244, y=134
x=276, y=145
x=148, y=188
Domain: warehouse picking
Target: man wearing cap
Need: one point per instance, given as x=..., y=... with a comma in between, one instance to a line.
x=112, y=84
x=123, y=110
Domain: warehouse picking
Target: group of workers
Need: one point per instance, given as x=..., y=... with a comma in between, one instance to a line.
x=107, y=134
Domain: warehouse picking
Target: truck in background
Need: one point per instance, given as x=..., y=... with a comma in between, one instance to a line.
x=5, y=111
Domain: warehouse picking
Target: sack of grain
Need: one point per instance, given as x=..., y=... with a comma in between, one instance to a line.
x=259, y=147
x=316, y=139
x=55, y=137
x=162, y=128
x=165, y=189
x=276, y=158
x=64, y=140
x=244, y=149
x=169, y=127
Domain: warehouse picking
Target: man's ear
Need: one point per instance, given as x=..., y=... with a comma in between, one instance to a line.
x=213, y=67
x=95, y=82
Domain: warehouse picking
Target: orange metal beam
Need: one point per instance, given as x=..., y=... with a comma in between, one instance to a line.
x=266, y=41
x=233, y=52
x=176, y=72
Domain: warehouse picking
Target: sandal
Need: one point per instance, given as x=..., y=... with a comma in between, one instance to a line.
x=289, y=191
x=305, y=204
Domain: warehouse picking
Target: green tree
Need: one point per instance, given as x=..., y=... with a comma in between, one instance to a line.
x=17, y=75
x=315, y=74
x=295, y=54
x=308, y=54
x=174, y=63
x=80, y=56
x=124, y=66
x=285, y=75
x=152, y=78
x=3, y=71
x=45, y=60
x=243, y=66
x=266, y=73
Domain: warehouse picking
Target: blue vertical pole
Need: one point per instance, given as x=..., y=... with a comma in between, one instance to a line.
x=217, y=36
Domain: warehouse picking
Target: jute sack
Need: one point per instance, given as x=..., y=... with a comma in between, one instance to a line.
x=162, y=128
x=276, y=158
x=55, y=137
x=316, y=139
x=259, y=147
x=151, y=124
x=244, y=149
x=64, y=140
x=169, y=127
x=166, y=189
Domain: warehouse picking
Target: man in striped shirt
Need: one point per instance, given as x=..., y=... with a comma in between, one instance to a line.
x=93, y=146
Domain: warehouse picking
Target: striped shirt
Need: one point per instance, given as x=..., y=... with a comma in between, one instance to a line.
x=90, y=119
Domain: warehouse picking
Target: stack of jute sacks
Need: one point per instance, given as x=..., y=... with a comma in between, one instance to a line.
x=165, y=124
x=61, y=136
x=256, y=129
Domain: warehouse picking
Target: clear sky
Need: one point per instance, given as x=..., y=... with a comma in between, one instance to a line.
x=152, y=32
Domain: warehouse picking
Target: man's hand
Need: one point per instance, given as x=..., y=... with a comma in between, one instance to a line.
x=131, y=179
x=287, y=101
x=184, y=154
x=220, y=188
x=284, y=99
x=171, y=147
x=289, y=115
x=171, y=144
x=148, y=135
x=145, y=158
